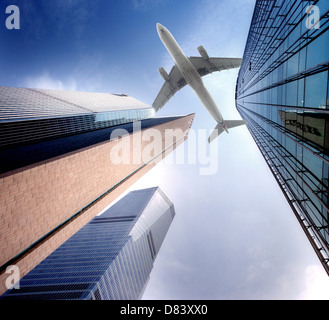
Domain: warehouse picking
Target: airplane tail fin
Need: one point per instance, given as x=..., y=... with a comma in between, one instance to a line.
x=215, y=133
x=219, y=128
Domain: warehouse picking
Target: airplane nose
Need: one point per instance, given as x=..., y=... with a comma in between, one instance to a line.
x=160, y=27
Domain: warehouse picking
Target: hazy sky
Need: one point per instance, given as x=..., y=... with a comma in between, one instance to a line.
x=234, y=235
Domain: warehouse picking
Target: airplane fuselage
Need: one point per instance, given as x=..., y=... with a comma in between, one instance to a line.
x=190, y=74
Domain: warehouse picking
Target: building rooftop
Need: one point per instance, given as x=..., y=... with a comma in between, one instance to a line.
x=27, y=103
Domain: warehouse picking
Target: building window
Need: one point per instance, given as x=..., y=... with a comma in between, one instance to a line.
x=318, y=50
x=97, y=295
x=316, y=90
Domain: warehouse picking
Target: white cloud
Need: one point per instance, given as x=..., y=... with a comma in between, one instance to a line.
x=316, y=284
x=45, y=81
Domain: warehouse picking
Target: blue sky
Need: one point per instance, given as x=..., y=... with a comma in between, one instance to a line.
x=234, y=236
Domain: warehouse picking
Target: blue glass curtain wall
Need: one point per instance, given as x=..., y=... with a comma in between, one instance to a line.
x=282, y=91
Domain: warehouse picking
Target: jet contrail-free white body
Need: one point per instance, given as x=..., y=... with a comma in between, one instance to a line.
x=194, y=80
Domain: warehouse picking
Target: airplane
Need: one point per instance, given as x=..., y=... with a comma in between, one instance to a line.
x=189, y=71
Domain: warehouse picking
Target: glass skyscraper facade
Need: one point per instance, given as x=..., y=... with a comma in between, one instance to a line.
x=108, y=259
x=37, y=114
x=64, y=157
x=282, y=92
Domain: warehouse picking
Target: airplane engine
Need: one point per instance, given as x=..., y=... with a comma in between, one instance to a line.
x=163, y=74
x=203, y=52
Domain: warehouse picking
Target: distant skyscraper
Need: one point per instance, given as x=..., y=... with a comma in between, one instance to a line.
x=108, y=259
x=64, y=157
x=282, y=91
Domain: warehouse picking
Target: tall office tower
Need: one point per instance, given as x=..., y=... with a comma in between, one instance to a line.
x=110, y=258
x=64, y=157
x=282, y=92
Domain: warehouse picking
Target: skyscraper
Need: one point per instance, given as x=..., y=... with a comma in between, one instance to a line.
x=64, y=157
x=282, y=92
x=108, y=259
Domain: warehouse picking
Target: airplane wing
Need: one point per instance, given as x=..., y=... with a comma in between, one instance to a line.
x=210, y=65
x=175, y=81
